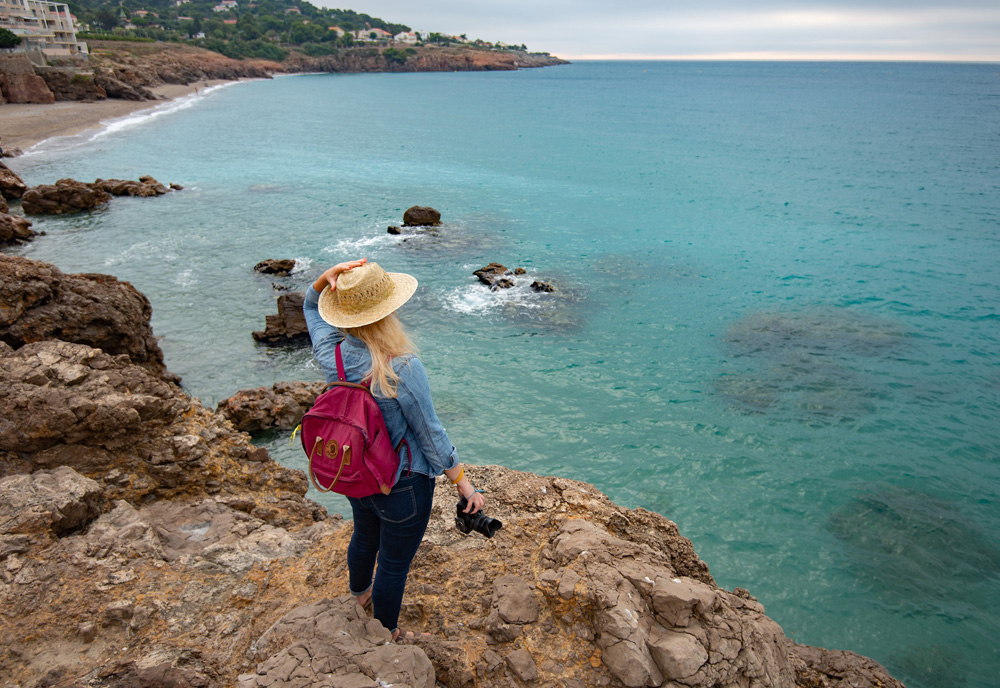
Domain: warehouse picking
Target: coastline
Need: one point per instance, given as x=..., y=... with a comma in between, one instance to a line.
x=24, y=126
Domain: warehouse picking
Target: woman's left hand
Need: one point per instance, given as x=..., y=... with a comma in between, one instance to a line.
x=330, y=276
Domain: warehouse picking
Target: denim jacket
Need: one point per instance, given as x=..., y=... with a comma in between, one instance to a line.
x=409, y=416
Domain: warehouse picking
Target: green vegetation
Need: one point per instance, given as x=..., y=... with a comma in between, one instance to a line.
x=9, y=39
x=266, y=29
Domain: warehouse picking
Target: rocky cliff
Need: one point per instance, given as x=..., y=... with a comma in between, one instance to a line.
x=144, y=541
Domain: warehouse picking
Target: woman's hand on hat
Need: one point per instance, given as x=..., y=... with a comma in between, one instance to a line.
x=331, y=275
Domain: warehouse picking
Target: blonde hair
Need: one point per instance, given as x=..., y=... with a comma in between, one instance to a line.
x=386, y=339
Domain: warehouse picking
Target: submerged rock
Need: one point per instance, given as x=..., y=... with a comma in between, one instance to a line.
x=419, y=216
x=288, y=327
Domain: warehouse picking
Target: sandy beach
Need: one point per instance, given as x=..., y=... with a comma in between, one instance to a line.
x=23, y=126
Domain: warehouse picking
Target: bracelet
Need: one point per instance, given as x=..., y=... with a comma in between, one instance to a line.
x=461, y=474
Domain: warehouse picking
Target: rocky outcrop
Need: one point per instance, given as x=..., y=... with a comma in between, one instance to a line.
x=65, y=196
x=128, y=70
x=14, y=229
x=288, y=326
x=12, y=186
x=280, y=267
x=428, y=58
x=19, y=83
x=71, y=196
x=146, y=542
x=280, y=406
x=38, y=301
x=420, y=216
x=71, y=84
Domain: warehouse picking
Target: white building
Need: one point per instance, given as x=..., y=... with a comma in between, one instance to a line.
x=42, y=25
x=406, y=37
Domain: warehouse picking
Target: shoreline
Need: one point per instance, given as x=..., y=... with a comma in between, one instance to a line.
x=25, y=126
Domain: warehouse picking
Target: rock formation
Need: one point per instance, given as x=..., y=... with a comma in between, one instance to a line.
x=71, y=196
x=145, y=187
x=289, y=325
x=282, y=267
x=19, y=83
x=146, y=542
x=65, y=196
x=71, y=84
x=495, y=276
x=14, y=229
x=38, y=301
x=420, y=216
x=12, y=186
x=280, y=406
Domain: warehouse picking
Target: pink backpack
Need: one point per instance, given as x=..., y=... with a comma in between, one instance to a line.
x=348, y=445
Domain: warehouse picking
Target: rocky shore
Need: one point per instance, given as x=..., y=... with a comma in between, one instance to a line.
x=145, y=541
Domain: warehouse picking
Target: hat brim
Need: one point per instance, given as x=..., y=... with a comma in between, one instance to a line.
x=329, y=309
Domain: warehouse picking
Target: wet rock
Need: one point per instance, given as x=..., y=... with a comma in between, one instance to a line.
x=542, y=286
x=15, y=229
x=11, y=152
x=280, y=406
x=146, y=186
x=493, y=276
x=12, y=186
x=176, y=187
x=38, y=301
x=419, y=216
x=65, y=196
x=288, y=327
x=281, y=267
x=393, y=229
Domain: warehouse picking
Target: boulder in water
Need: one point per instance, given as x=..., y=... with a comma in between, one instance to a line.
x=289, y=325
x=281, y=267
x=419, y=216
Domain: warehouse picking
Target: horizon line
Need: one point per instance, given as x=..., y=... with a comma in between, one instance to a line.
x=778, y=57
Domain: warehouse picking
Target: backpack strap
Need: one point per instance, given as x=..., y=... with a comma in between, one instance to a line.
x=341, y=375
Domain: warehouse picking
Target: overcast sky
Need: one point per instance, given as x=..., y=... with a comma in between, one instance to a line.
x=714, y=29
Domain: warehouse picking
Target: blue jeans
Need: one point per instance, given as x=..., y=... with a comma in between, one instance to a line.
x=388, y=528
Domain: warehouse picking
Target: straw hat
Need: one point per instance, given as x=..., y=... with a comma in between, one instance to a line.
x=364, y=295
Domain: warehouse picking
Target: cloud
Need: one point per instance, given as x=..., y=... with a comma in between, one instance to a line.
x=876, y=29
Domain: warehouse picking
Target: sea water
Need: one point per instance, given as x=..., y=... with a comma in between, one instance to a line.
x=775, y=318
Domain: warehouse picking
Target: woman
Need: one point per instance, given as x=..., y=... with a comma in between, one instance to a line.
x=353, y=304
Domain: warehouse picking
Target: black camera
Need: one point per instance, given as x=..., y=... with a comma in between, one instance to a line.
x=479, y=522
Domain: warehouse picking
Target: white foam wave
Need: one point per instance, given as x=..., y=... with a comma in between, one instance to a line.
x=353, y=246
x=477, y=299
x=185, y=279
x=302, y=265
x=58, y=144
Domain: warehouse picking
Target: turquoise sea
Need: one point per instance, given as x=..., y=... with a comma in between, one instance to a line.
x=776, y=319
